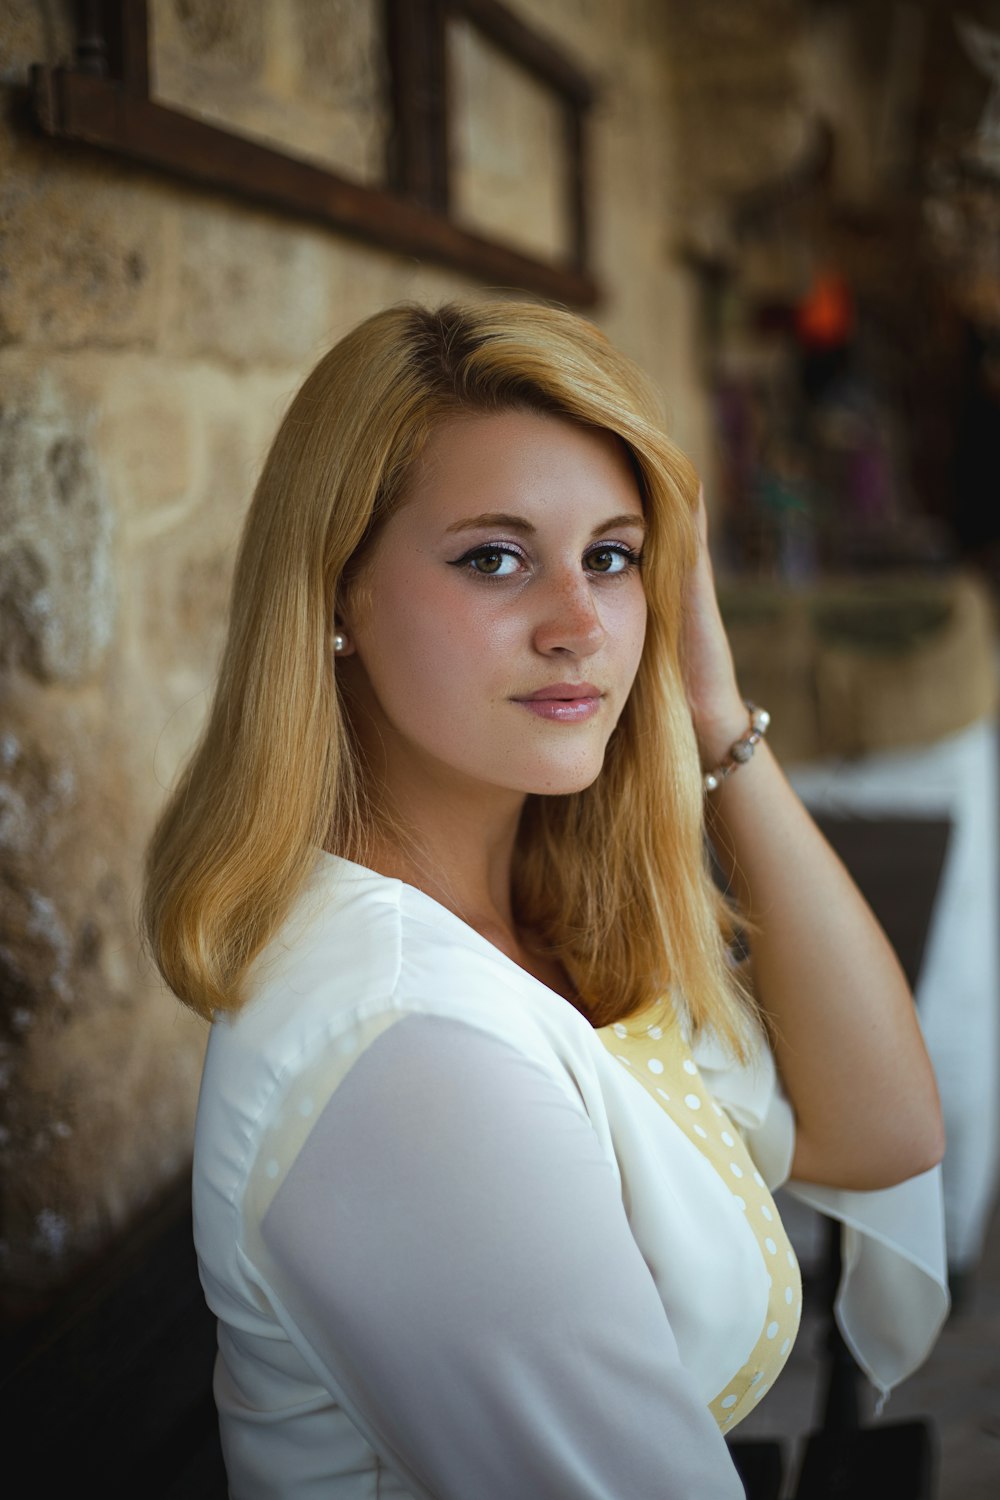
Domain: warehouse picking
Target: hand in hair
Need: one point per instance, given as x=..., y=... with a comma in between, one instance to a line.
x=717, y=709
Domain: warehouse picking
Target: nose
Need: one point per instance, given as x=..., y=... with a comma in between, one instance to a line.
x=569, y=621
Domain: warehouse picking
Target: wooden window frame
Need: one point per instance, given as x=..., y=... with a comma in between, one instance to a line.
x=103, y=101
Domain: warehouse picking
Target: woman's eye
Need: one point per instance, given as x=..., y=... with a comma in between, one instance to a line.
x=616, y=559
x=490, y=562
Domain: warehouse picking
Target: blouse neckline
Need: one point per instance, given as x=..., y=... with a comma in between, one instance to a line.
x=443, y=916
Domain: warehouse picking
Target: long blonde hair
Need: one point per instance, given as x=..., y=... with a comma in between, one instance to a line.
x=612, y=880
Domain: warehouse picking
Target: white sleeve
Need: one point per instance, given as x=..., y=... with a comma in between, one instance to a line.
x=453, y=1247
x=752, y=1096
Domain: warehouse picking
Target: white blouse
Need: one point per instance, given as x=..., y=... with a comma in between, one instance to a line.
x=462, y=1246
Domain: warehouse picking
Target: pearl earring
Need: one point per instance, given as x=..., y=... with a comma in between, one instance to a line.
x=339, y=643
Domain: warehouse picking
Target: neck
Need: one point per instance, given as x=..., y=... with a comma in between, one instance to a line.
x=462, y=859
x=470, y=879
x=457, y=848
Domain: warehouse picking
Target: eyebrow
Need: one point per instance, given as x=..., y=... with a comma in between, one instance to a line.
x=519, y=523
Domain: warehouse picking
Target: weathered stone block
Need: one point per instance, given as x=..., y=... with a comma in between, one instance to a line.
x=179, y=587
x=147, y=432
x=361, y=280
x=251, y=288
x=57, y=584
x=178, y=559
x=99, y=1068
x=99, y=1121
x=80, y=248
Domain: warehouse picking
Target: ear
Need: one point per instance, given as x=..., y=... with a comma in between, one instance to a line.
x=349, y=606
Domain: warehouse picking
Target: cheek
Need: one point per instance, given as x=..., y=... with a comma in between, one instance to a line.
x=428, y=637
x=630, y=630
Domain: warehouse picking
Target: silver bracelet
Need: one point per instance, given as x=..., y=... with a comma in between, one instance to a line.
x=741, y=750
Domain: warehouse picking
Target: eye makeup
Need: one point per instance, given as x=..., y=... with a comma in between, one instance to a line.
x=498, y=551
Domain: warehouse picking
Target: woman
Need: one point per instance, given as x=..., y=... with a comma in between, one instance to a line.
x=473, y=1219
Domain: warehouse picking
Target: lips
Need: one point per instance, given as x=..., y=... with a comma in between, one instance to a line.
x=566, y=692
x=564, y=702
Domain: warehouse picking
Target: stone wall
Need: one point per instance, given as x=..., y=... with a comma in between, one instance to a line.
x=151, y=335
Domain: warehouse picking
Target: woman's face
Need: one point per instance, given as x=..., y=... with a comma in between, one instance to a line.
x=502, y=616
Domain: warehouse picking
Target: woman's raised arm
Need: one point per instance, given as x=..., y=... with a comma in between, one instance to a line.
x=843, y=1022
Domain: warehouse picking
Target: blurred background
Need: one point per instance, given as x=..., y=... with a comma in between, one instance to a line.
x=788, y=211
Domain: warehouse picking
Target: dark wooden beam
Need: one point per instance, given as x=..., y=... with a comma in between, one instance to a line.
x=576, y=186
x=127, y=26
x=104, y=113
x=418, y=82
x=91, y=51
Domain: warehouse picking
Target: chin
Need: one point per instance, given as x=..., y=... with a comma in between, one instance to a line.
x=563, y=783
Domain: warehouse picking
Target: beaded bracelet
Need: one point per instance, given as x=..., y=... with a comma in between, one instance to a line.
x=742, y=749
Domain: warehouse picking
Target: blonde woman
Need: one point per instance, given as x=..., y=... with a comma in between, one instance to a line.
x=488, y=1116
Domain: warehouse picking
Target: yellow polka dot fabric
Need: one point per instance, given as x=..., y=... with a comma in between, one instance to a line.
x=660, y=1060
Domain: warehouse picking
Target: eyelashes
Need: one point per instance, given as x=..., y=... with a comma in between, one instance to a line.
x=630, y=558
x=488, y=560
x=478, y=560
